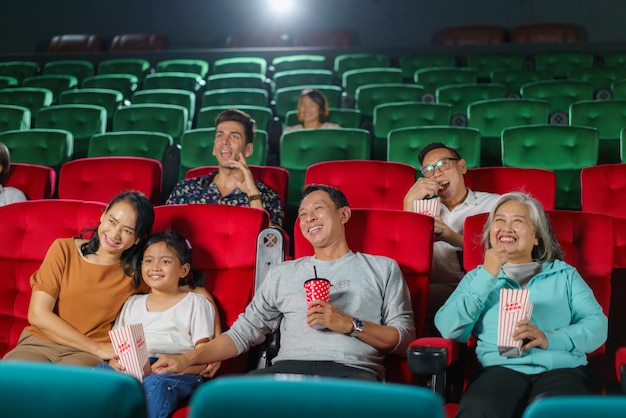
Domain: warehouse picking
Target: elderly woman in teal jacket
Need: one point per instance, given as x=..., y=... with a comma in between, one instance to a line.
x=566, y=323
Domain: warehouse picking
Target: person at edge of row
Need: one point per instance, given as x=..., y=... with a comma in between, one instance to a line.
x=521, y=252
x=7, y=194
x=442, y=168
x=369, y=312
x=174, y=320
x=81, y=285
x=312, y=111
x=232, y=183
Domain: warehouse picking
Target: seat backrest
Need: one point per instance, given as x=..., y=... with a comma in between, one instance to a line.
x=108, y=98
x=102, y=178
x=390, y=116
x=262, y=115
x=560, y=94
x=25, y=236
x=240, y=396
x=608, y=117
x=276, y=178
x=236, y=80
x=124, y=83
x=235, y=97
x=185, y=65
x=413, y=62
x=301, y=148
x=33, y=98
x=407, y=237
x=299, y=62
x=579, y=406
x=49, y=147
x=131, y=66
x=367, y=184
x=352, y=61
x=179, y=97
x=78, y=68
x=35, y=181
x=19, y=69
x=131, y=144
x=371, y=95
x=459, y=96
x=352, y=79
x=433, y=78
x=564, y=149
x=537, y=182
x=137, y=42
x=486, y=62
x=163, y=118
x=546, y=33
x=83, y=121
x=492, y=116
x=240, y=65
x=173, y=80
x=75, y=43
x=404, y=144
x=603, y=190
x=302, y=77
x=93, y=400
x=344, y=117
x=57, y=83
x=14, y=118
x=560, y=63
x=224, y=251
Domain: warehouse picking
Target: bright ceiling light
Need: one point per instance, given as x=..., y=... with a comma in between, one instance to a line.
x=281, y=5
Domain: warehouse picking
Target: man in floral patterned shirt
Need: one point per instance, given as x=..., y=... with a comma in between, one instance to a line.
x=232, y=183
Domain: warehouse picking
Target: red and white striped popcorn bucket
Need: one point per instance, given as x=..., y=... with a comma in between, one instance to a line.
x=130, y=347
x=515, y=305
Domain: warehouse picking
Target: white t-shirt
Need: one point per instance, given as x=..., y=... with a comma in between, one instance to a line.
x=447, y=262
x=173, y=331
x=10, y=195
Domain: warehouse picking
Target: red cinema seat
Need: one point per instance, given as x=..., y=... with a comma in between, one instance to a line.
x=224, y=245
x=367, y=184
x=36, y=181
x=102, y=178
x=406, y=237
x=537, y=182
x=276, y=178
x=28, y=229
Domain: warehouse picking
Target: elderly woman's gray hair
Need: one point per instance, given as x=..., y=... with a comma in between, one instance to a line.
x=548, y=248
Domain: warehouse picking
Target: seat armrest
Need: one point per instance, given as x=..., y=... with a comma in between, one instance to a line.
x=620, y=367
x=431, y=355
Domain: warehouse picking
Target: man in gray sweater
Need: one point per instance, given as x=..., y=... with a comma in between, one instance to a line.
x=368, y=314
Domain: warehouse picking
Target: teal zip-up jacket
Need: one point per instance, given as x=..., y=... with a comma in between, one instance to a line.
x=565, y=309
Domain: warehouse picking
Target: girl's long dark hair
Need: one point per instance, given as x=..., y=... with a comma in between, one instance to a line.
x=131, y=257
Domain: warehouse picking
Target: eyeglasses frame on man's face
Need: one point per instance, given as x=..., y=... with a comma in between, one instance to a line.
x=443, y=164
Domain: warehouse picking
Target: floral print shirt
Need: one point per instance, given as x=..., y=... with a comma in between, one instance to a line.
x=202, y=189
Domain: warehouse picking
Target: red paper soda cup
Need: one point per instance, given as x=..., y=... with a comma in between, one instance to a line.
x=317, y=289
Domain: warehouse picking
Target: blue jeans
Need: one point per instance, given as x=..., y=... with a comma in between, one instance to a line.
x=165, y=391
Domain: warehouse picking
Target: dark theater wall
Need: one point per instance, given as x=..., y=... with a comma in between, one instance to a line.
x=27, y=25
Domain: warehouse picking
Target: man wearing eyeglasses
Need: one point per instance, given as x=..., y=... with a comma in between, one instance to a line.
x=442, y=169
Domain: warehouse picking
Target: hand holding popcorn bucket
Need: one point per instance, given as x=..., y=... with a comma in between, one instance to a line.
x=515, y=305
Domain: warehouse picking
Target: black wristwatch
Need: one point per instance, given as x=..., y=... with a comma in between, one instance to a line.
x=357, y=327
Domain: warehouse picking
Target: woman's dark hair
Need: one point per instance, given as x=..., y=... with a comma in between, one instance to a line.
x=243, y=118
x=319, y=99
x=5, y=161
x=336, y=195
x=182, y=248
x=145, y=221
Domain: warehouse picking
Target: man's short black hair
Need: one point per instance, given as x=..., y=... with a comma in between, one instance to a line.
x=336, y=195
x=437, y=145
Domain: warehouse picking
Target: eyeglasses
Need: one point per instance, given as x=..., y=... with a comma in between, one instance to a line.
x=443, y=165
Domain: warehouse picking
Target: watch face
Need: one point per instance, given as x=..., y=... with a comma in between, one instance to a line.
x=358, y=324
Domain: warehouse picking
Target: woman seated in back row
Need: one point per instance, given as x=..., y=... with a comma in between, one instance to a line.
x=312, y=111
